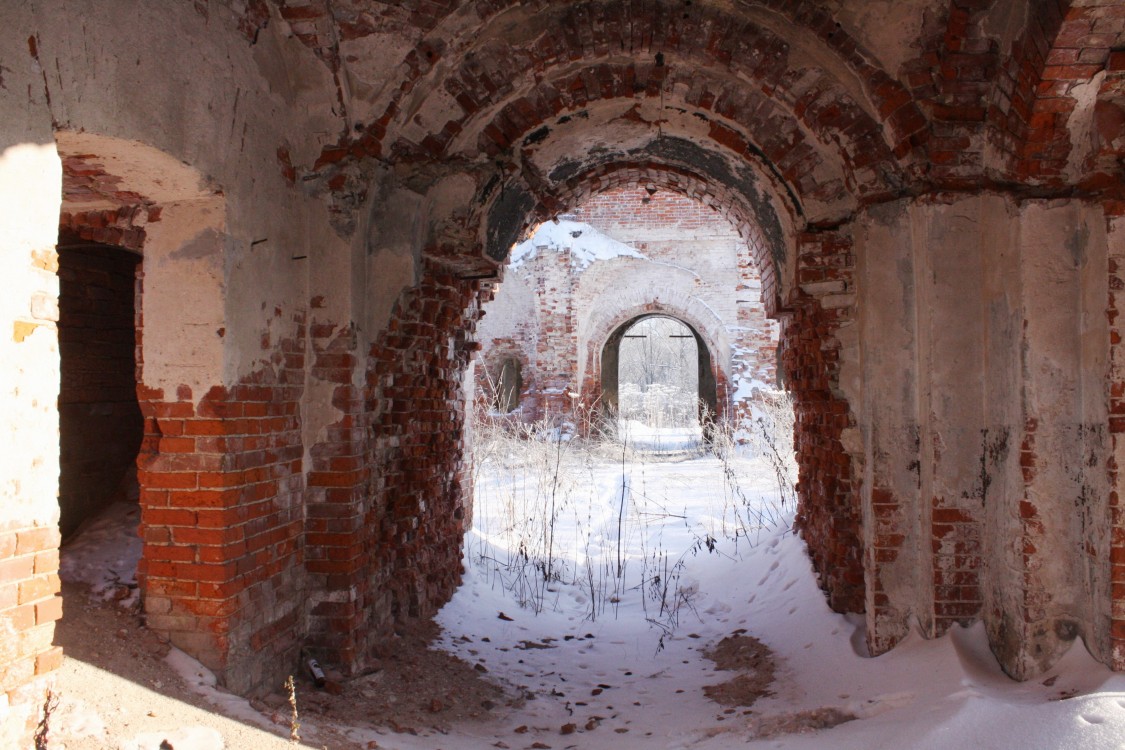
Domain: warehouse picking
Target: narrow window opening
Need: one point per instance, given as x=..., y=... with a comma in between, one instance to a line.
x=509, y=385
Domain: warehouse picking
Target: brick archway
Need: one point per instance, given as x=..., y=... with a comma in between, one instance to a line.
x=709, y=378
x=931, y=189
x=605, y=329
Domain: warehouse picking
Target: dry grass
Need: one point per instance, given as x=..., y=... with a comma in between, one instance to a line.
x=541, y=478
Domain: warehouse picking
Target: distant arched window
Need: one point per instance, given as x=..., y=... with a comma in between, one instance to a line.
x=509, y=384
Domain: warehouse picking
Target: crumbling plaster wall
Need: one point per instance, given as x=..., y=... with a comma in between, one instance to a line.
x=239, y=264
x=978, y=378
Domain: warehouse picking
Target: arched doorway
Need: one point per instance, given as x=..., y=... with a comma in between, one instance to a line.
x=664, y=358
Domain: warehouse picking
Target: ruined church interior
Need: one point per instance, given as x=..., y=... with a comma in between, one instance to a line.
x=248, y=244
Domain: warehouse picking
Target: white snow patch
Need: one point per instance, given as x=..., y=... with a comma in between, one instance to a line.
x=585, y=243
x=619, y=670
x=641, y=436
x=105, y=553
x=937, y=694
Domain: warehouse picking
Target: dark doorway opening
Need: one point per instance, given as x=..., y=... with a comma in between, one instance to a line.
x=509, y=386
x=100, y=423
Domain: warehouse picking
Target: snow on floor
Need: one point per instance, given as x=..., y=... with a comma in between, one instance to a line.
x=635, y=686
x=602, y=665
x=643, y=437
x=104, y=554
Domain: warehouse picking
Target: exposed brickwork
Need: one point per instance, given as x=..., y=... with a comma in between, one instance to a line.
x=122, y=227
x=1109, y=126
x=706, y=36
x=417, y=418
x=888, y=513
x=1066, y=49
x=29, y=605
x=85, y=180
x=336, y=504
x=384, y=548
x=317, y=497
x=221, y=519
x=957, y=533
x=622, y=211
x=1114, y=309
x=1014, y=104
x=729, y=205
x=744, y=136
x=554, y=280
x=829, y=513
x=220, y=484
x=488, y=378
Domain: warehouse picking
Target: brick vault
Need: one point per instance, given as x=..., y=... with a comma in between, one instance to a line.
x=313, y=200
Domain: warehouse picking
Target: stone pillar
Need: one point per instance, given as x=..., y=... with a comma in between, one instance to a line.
x=557, y=344
x=983, y=412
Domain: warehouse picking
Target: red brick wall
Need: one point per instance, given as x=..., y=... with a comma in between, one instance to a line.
x=416, y=411
x=417, y=420
x=221, y=491
x=384, y=546
x=554, y=281
x=29, y=606
x=221, y=521
x=828, y=515
x=637, y=208
x=99, y=420
x=1115, y=210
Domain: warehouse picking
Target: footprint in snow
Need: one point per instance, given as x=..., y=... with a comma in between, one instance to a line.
x=1093, y=718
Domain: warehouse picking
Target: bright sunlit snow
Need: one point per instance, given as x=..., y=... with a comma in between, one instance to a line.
x=635, y=673
x=603, y=663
